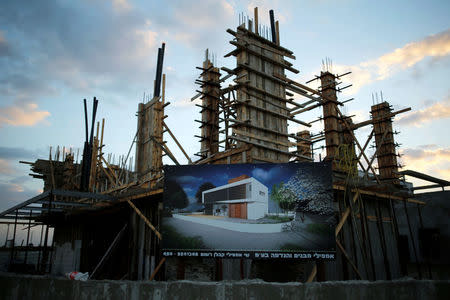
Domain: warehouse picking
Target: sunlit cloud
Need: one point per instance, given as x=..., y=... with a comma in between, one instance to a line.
x=14, y=187
x=436, y=111
x=5, y=167
x=121, y=5
x=208, y=16
x=22, y=114
x=383, y=67
x=428, y=159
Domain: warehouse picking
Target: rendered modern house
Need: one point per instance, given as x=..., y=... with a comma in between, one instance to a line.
x=243, y=197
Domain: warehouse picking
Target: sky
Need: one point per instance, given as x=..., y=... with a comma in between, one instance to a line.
x=53, y=54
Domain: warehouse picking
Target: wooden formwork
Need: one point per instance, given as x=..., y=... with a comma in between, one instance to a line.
x=260, y=106
x=330, y=114
x=149, y=143
x=210, y=84
x=384, y=141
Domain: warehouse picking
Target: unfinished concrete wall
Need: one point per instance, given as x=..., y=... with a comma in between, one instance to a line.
x=35, y=287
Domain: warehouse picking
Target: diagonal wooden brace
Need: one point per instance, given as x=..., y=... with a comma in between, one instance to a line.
x=348, y=258
x=157, y=269
x=145, y=219
x=345, y=215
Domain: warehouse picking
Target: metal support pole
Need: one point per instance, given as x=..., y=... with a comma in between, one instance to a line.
x=28, y=238
x=14, y=238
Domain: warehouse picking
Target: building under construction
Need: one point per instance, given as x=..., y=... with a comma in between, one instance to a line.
x=103, y=215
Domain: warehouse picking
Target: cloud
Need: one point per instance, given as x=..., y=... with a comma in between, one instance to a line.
x=265, y=175
x=83, y=46
x=121, y=5
x=209, y=15
x=264, y=6
x=5, y=167
x=12, y=194
x=188, y=179
x=435, y=46
x=435, y=111
x=184, y=103
x=5, y=49
x=429, y=159
x=25, y=114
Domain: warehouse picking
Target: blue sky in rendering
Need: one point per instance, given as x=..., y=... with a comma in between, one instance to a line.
x=55, y=53
x=191, y=177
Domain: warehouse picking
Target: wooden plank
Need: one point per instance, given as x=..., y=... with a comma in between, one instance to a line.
x=313, y=274
x=142, y=195
x=265, y=129
x=380, y=195
x=305, y=87
x=261, y=42
x=111, y=170
x=176, y=141
x=157, y=269
x=390, y=115
x=269, y=148
x=150, y=225
x=108, y=251
x=244, y=47
x=345, y=215
x=348, y=258
x=258, y=137
x=274, y=113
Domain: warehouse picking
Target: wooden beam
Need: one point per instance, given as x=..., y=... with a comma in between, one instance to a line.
x=368, y=122
x=258, y=137
x=269, y=148
x=157, y=269
x=176, y=141
x=243, y=123
x=306, y=88
x=380, y=195
x=345, y=215
x=274, y=113
x=348, y=258
x=313, y=274
x=111, y=170
x=150, y=225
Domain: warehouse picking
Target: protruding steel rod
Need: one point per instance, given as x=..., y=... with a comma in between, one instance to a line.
x=272, y=26
x=159, y=68
x=86, y=120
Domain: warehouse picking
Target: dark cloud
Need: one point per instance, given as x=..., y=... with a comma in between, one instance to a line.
x=11, y=194
x=83, y=45
x=18, y=153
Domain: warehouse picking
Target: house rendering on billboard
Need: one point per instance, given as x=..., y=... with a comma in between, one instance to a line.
x=243, y=197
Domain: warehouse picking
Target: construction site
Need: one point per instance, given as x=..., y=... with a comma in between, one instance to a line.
x=103, y=216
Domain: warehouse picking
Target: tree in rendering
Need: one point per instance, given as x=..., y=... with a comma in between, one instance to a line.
x=204, y=187
x=175, y=196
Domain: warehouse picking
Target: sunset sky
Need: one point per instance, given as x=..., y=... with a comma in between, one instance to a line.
x=55, y=53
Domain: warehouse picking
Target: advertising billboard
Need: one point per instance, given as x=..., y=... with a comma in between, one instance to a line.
x=274, y=211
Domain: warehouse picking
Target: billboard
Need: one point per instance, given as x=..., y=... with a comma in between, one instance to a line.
x=258, y=211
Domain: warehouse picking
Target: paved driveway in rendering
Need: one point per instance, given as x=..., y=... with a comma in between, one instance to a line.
x=223, y=239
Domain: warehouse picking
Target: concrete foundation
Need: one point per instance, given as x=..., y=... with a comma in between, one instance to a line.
x=35, y=287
